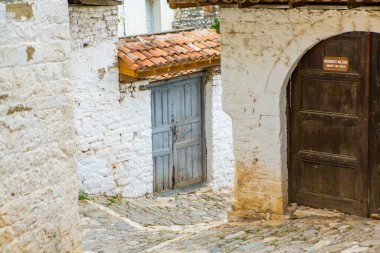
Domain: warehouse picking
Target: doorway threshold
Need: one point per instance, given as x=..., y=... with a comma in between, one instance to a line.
x=184, y=190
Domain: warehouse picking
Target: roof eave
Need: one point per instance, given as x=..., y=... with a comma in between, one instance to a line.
x=126, y=70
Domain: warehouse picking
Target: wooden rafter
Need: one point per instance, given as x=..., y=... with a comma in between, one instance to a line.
x=97, y=2
x=125, y=70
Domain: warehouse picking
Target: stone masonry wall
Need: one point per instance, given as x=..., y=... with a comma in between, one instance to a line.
x=261, y=48
x=195, y=17
x=38, y=192
x=220, y=157
x=113, y=122
x=113, y=128
x=91, y=25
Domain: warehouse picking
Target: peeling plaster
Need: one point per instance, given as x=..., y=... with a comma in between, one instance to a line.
x=18, y=108
x=29, y=53
x=21, y=10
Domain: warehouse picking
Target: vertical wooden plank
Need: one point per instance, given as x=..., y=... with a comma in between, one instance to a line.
x=364, y=171
x=161, y=139
x=195, y=100
x=155, y=183
x=166, y=179
x=158, y=108
x=188, y=98
x=165, y=107
x=196, y=162
x=182, y=102
x=189, y=163
x=374, y=145
x=160, y=173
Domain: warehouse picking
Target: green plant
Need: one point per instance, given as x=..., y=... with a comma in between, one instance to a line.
x=113, y=200
x=216, y=25
x=83, y=196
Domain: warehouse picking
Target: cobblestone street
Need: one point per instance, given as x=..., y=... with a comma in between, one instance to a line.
x=196, y=222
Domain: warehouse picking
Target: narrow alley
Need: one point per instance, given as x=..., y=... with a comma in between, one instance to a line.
x=196, y=221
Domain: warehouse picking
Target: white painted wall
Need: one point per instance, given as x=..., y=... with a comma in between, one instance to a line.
x=132, y=17
x=113, y=121
x=220, y=157
x=38, y=190
x=113, y=128
x=167, y=16
x=257, y=63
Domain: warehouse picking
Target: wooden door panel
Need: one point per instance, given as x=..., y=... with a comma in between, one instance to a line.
x=329, y=96
x=330, y=138
x=327, y=128
x=321, y=178
x=325, y=201
x=374, y=141
x=187, y=122
x=161, y=141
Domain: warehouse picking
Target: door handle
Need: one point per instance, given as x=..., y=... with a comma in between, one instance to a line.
x=174, y=132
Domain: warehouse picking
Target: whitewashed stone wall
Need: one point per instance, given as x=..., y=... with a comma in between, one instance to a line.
x=114, y=129
x=195, y=17
x=220, y=157
x=92, y=25
x=113, y=122
x=260, y=49
x=38, y=192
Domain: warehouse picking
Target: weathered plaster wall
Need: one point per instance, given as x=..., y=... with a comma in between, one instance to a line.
x=261, y=47
x=195, y=17
x=92, y=25
x=220, y=157
x=113, y=129
x=38, y=192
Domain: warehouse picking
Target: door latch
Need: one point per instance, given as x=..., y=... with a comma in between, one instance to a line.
x=174, y=132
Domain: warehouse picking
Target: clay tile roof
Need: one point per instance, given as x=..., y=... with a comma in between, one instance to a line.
x=143, y=53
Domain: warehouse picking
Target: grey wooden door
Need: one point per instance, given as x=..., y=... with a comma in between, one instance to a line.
x=177, y=134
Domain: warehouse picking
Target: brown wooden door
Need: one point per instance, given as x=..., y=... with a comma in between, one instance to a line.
x=374, y=140
x=329, y=127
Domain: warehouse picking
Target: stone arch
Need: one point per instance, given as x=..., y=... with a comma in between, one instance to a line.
x=300, y=45
x=293, y=32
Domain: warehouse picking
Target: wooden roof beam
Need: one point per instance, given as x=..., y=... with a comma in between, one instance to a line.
x=97, y=2
x=125, y=70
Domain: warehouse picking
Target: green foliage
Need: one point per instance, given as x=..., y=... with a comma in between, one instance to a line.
x=83, y=196
x=113, y=200
x=216, y=25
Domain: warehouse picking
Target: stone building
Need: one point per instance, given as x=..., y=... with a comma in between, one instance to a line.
x=300, y=82
x=113, y=120
x=38, y=192
x=196, y=17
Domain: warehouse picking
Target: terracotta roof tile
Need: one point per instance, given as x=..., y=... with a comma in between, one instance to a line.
x=132, y=56
x=180, y=49
x=155, y=53
x=144, y=53
x=172, y=75
x=199, y=45
x=139, y=55
x=131, y=63
x=148, y=63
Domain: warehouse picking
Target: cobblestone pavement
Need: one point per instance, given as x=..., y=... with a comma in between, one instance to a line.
x=196, y=222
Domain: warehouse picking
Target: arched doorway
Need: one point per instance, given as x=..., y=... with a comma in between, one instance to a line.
x=334, y=125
